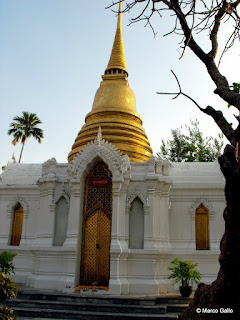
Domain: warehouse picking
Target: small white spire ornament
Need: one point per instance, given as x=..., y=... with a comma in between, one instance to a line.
x=99, y=136
x=13, y=158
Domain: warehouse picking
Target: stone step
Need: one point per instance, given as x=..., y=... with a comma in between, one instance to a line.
x=28, y=313
x=81, y=306
x=35, y=304
x=86, y=299
x=178, y=308
x=100, y=299
x=173, y=299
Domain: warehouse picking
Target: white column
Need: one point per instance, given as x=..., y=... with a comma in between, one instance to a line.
x=115, y=215
x=123, y=233
x=45, y=219
x=115, y=249
x=74, y=215
x=149, y=218
x=164, y=216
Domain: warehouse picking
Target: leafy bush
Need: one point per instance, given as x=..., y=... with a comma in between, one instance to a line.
x=6, y=313
x=190, y=145
x=7, y=288
x=6, y=264
x=184, y=271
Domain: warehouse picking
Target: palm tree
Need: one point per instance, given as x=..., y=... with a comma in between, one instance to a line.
x=24, y=127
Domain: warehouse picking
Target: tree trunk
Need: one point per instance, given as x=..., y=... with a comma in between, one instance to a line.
x=224, y=292
x=21, y=151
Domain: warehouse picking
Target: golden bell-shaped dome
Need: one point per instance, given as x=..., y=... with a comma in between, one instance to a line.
x=114, y=110
x=114, y=94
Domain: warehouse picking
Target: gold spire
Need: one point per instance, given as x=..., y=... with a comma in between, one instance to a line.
x=117, y=59
x=114, y=110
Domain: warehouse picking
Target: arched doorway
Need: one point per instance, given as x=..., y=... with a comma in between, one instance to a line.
x=96, y=230
x=201, y=227
x=17, y=223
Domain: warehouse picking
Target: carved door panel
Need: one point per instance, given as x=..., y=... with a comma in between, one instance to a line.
x=97, y=248
x=17, y=225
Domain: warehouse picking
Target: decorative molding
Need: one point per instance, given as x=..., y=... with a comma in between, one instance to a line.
x=14, y=201
x=48, y=171
x=138, y=193
x=206, y=203
x=118, y=164
x=62, y=194
x=57, y=196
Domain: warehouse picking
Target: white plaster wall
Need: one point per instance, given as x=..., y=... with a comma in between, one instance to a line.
x=167, y=194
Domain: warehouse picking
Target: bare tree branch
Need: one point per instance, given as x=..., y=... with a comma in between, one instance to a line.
x=217, y=115
x=193, y=17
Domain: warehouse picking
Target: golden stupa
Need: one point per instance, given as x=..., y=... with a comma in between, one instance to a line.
x=114, y=110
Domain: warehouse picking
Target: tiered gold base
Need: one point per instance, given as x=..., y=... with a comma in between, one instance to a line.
x=123, y=129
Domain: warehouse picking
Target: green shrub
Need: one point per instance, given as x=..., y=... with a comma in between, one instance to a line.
x=6, y=313
x=6, y=264
x=7, y=288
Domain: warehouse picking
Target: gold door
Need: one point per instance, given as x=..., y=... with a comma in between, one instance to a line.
x=201, y=223
x=96, y=233
x=97, y=247
x=17, y=225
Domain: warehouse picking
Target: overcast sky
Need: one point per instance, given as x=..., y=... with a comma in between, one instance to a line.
x=53, y=53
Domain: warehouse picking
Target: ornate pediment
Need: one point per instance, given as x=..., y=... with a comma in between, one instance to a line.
x=103, y=150
x=206, y=203
x=14, y=201
x=138, y=193
x=61, y=194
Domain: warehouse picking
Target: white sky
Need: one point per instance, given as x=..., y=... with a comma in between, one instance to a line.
x=53, y=54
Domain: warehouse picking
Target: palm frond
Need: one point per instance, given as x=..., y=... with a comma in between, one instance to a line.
x=24, y=127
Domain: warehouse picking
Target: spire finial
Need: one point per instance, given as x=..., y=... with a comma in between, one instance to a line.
x=117, y=59
x=119, y=24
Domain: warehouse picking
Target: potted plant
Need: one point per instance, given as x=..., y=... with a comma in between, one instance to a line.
x=184, y=272
x=6, y=264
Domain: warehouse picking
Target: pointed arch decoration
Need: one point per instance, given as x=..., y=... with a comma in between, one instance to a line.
x=206, y=203
x=101, y=149
x=14, y=201
x=138, y=193
x=61, y=194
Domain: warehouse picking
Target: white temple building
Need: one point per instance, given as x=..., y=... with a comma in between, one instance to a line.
x=114, y=216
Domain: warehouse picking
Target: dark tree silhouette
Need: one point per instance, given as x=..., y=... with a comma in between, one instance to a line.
x=189, y=18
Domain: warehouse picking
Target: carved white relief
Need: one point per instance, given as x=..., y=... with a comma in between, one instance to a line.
x=14, y=201
x=61, y=194
x=101, y=148
x=206, y=203
x=138, y=193
x=50, y=161
x=48, y=171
